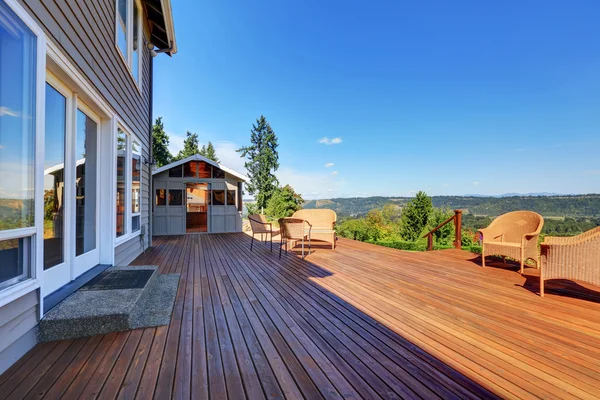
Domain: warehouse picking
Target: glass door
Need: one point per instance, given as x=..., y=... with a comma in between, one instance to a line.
x=196, y=207
x=70, y=187
x=85, y=207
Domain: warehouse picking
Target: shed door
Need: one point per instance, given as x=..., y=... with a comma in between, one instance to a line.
x=169, y=208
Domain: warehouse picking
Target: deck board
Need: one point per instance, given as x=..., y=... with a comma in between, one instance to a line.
x=359, y=322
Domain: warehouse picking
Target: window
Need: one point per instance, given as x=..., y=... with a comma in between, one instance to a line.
x=121, y=180
x=176, y=172
x=161, y=197
x=136, y=168
x=218, y=198
x=191, y=170
x=18, y=64
x=231, y=197
x=204, y=170
x=175, y=197
x=218, y=173
x=129, y=183
x=129, y=34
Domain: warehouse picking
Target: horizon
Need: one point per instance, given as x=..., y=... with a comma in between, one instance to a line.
x=389, y=99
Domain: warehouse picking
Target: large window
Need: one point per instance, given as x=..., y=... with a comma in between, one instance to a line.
x=17, y=145
x=129, y=34
x=129, y=184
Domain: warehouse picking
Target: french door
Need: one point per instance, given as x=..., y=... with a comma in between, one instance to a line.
x=71, y=210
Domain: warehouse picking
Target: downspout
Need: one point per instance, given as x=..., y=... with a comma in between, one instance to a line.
x=151, y=156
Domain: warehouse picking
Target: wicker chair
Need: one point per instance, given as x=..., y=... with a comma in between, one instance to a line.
x=259, y=225
x=515, y=235
x=294, y=229
x=576, y=258
x=323, y=223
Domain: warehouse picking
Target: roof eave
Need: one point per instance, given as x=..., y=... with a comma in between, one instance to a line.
x=169, y=25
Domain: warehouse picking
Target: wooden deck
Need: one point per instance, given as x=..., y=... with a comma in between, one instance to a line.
x=360, y=321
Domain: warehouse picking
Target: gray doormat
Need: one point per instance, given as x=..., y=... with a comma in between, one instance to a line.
x=119, y=279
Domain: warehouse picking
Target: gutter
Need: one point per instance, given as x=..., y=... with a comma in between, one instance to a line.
x=170, y=28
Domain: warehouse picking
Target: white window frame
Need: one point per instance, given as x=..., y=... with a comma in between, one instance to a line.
x=129, y=233
x=33, y=269
x=128, y=58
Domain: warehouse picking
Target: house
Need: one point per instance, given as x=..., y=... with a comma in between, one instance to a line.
x=75, y=140
x=196, y=195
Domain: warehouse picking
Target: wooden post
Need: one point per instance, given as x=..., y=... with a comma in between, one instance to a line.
x=458, y=229
x=429, y=242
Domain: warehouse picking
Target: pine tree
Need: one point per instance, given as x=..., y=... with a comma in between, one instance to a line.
x=160, y=144
x=415, y=216
x=209, y=152
x=262, y=162
x=190, y=146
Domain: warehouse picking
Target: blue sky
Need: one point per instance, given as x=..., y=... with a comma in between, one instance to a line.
x=448, y=97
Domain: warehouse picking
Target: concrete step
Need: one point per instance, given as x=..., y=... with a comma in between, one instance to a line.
x=119, y=299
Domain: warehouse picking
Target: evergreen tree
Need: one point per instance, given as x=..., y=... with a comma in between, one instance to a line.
x=262, y=162
x=209, y=152
x=190, y=146
x=160, y=144
x=415, y=216
x=284, y=202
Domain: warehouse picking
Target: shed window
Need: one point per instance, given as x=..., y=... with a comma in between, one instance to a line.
x=204, y=170
x=175, y=197
x=176, y=172
x=231, y=197
x=218, y=197
x=191, y=169
x=161, y=197
x=218, y=173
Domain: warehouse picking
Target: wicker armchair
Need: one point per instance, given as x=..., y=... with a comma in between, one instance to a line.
x=259, y=225
x=295, y=230
x=576, y=258
x=515, y=235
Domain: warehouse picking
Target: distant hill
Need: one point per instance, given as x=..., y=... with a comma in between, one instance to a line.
x=548, y=205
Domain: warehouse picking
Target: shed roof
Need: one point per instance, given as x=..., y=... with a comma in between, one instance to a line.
x=198, y=157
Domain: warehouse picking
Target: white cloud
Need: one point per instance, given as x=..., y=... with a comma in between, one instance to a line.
x=311, y=185
x=328, y=141
x=329, y=165
x=446, y=185
x=175, y=142
x=334, y=173
x=229, y=157
x=593, y=172
x=475, y=183
x=8, y=112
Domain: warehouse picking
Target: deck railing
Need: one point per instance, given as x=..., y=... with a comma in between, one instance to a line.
x=457, y=218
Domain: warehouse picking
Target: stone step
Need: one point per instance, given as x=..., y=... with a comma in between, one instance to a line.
x=119, y=299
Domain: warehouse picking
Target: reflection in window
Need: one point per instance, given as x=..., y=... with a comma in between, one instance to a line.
x=176, y=172
x=175, y=197
x=204, y=170
x=121, y=180
x=218, y=173
x=161, y=197
x=136, y=169
x=122, y=26
x=17, y=121
x=231, y=197
x=85, y=184
x=54, y=177
x=218, y=198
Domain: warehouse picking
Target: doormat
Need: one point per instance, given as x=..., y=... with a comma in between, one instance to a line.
x=120, y=279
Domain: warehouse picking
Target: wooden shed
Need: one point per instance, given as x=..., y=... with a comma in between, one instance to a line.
x=197, y=195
